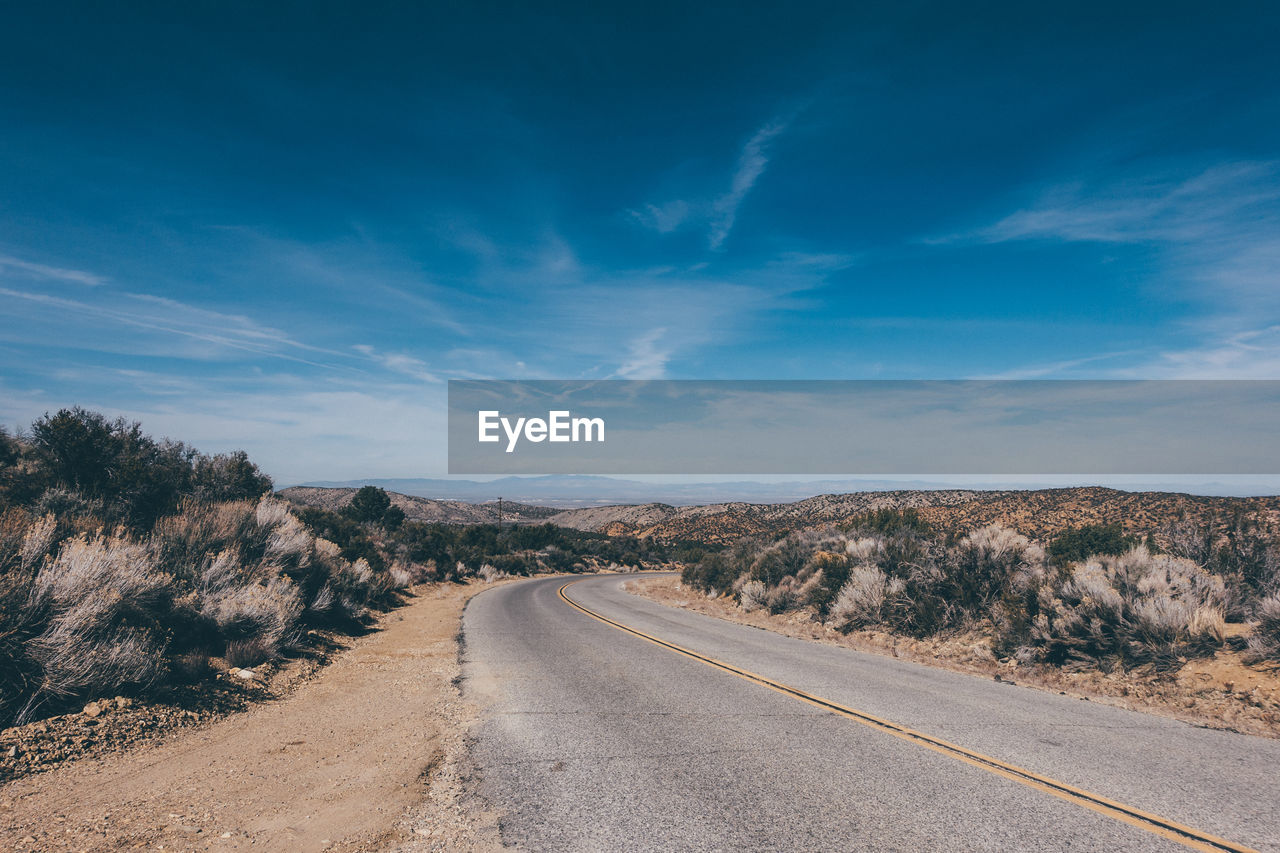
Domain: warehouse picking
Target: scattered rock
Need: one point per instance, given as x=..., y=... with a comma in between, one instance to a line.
x=93, y=709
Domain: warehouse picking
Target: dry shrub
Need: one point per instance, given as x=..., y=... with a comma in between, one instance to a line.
x=19, y=620
x=190, y=667
x=489, y=573
x=865, y=550
x=401, y=576
x=322, y=602
x=325, y=548
x=248, y=652
x=1135, y=609
x=102, y=572
x=1265, y=642
x=989, y=563
x=404, y=575
x=38, y=543
x=272, y=512
x=289, y=545
x=358, y=589
x=753, y=595
x=183, y=542
x=783, y=597
x=266, y=613
x=96, y=614
x=861, y=600
x=807, y=588
x=106, y=598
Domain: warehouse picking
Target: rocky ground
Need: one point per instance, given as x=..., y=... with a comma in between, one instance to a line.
x=110, y=725
x=1220, y=692
x=366, y=753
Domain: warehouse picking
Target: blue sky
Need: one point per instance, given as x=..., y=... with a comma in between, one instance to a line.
x=282, y=229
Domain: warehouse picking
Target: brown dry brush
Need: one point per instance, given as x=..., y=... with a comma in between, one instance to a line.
x=90, y=614
x=1122, y=610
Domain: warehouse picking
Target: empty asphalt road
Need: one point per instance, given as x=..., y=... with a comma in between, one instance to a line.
x=597, y=739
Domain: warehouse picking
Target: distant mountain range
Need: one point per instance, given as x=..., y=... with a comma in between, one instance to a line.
x=568, y=492
x=1038, y=513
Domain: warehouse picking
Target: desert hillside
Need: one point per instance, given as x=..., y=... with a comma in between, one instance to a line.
x=425, y=509
x=1039, y=513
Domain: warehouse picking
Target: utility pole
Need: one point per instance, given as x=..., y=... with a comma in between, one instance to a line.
x=499, y=513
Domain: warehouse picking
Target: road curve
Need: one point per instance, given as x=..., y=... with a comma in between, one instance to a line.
x=597, y=739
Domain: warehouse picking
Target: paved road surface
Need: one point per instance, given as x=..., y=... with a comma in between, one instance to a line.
x=596, y=739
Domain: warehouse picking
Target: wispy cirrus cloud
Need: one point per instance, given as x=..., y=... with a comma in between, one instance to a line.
x=717, y=213
x=401, y=363
x=751, y=165
x=663, y=218
x=30, y=269
x=1214, y=233
x=1248, y=354
x=647, y=359
x=153, y=324
x=1209, y=204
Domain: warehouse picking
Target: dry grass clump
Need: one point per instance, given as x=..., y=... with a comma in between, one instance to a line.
x=860, y=602
x=268, y=613
x=890, y=571
x=1135, y=609
x=490, y=573
x=1265, y=643
x=105, y=599
x=94, y=614
x=752, y=595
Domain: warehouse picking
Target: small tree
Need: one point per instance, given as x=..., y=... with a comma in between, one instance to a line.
x=369, y=504
x=229, y=477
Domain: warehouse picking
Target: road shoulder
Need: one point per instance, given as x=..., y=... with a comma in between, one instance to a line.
x=370, y=754
x=1221, y=694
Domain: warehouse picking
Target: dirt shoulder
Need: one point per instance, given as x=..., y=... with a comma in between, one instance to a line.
x=1220, y=692
x=369, y=753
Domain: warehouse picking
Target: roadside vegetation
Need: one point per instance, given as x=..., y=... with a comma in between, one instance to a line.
x=370, y=527
x=1090, y=598
x=131, y=565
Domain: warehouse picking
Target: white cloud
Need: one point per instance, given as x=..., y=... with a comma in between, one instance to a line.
x=1251, y=354
x=719, y=213
x=663, y=218
x=153, y=324
x=646, y=359
x=1215, y=231
x=751, y=165
x=401, y=363
x=8, y=263
x=1209, y=204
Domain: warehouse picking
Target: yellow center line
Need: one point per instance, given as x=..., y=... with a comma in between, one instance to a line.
x=1188, y=836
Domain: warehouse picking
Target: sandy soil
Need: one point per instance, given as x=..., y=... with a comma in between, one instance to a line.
x=368, y=755
x=1221, y=692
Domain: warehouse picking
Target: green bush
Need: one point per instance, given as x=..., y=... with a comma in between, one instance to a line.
x=1079, y=543
x=112, y=470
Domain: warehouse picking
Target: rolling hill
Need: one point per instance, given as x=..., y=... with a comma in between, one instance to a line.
x=1037, y=513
